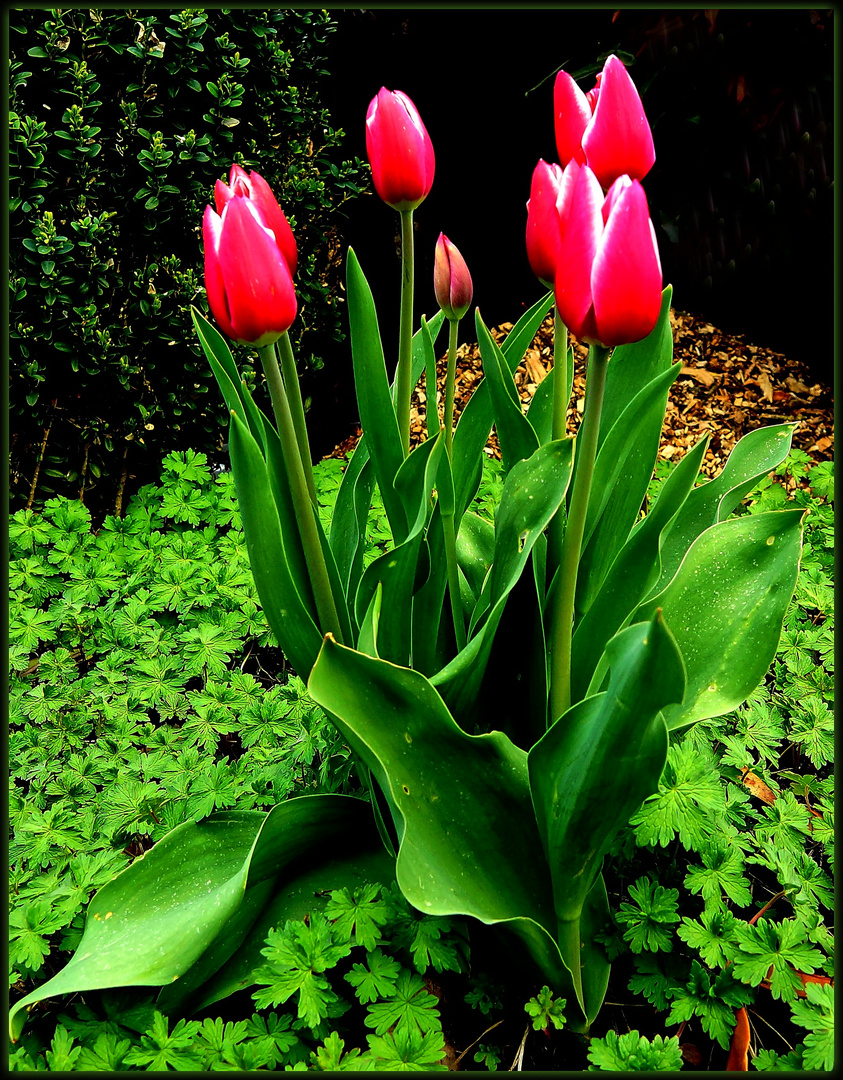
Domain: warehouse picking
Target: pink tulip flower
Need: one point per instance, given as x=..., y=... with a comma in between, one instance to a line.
x=247, y=278
x=399, y=150
x=451, y=280
x=608, y=276
x=254, y=187
x=606, y=128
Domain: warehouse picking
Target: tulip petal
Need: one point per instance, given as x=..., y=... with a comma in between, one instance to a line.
x=571, y=114
x=542, y=236
x=214, y=283
x=580, y=243
x=275, y=219
x=626, y=279
x=258, y=285
x=618, y=139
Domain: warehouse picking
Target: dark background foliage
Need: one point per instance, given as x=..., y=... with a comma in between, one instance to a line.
x=121, y=121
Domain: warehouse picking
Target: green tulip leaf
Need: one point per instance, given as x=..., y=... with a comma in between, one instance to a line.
x=468, y=843
x=753, y=456
x=431, y=406
x=601, y=759
x=350, y=515
x=317, y=843
x=635, y=365
x=397, y=571
x=475, y=550
x=374, y=401
x=351, y=509
x=632, y=574
x=533, y=491
x=160, y=917
x=621, y=474
x=476, y=419
x=515, y=432
x=725, y=606
x=368, y=640
x=292, y=623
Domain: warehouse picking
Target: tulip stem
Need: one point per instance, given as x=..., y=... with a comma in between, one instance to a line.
x=403, y=374
x=562, y=600
x=450, y=378
x=293, y=388
x=559, y=427
x=304, y=509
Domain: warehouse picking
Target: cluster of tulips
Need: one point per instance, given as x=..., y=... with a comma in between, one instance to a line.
x=589, y=234
x=503, y=748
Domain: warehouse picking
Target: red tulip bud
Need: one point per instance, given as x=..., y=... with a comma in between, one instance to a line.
x=254, y=187
x=606, y=128
x=608, y=277
x=247, y=279
x=399, y=150
x=451, y=280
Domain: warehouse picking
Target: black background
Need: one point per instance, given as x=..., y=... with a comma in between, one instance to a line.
x=740, y=103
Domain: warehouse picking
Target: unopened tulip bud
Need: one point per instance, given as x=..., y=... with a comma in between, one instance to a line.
x=451, y=280
x=255, y=188
x=608, y=277
x=247, y=279
x=399, y=150
x=607, y=128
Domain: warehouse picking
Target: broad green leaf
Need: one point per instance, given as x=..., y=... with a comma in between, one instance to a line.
x=305, y=847
x=397, y=570
x=377, y=414
x=279, y=485
x=153, y=921
x=475, y=422
x=395, y=573
x=602, y=758
x=725, y=607
x=513, y=694
x=627, y=452
x=431, y=406
x=632, y=574
x=348, y=522
x=368, y=640
x=622, y=472
x=532, y=493
x=515, y=433
x=752, y=458
x=349, y=517
x=231, y=384
x=475, y=550
x=433, y=633
x=287, y=615
x=634, y=366
x=470, y=843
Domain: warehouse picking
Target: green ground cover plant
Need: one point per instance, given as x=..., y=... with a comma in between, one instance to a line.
x=145, y=692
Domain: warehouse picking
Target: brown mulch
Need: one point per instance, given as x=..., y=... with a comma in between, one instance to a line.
x=727, y=387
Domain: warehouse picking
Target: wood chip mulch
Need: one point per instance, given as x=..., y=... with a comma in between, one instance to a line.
x=727, y=387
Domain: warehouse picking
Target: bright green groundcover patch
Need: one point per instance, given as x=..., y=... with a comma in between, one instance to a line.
x=146, y=691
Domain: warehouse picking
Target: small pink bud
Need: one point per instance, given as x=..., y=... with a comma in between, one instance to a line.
x=451, y=280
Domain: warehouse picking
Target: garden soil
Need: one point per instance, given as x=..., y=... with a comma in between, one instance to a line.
x=726, y=388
